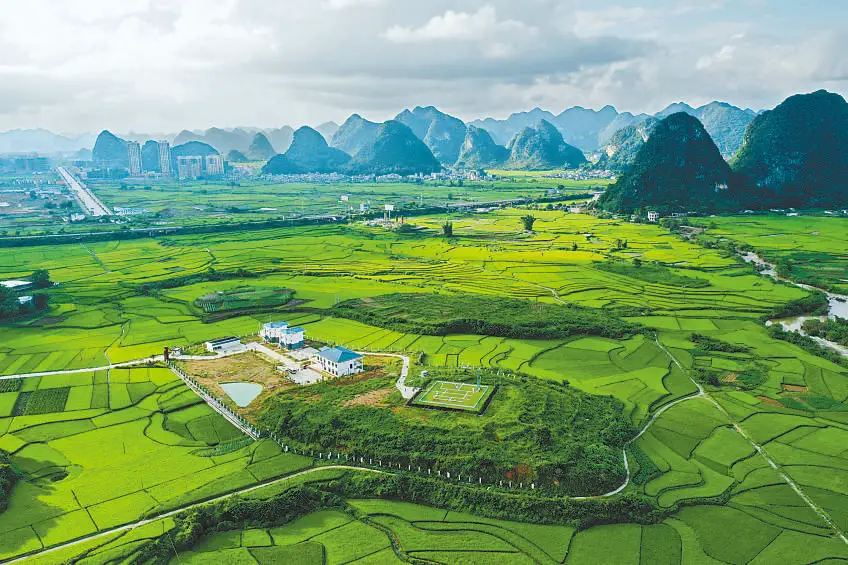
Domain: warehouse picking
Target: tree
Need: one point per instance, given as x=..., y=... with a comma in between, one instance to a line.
x=637, y=262
x=8, y=303
x=40, y=300
x=574, y=247
x=447, y=229
x=40, y=278
x=527, y=221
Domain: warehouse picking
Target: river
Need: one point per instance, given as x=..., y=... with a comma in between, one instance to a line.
x=837, y=305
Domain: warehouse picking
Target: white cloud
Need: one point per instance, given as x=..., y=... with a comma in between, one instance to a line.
x=346, y=4
x=459, y=26
x=723, y=55
x=165, y=65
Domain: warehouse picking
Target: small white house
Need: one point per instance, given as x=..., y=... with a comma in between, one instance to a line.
x=653, y=216
x=223, y=345
x=281, y=333
x=339, y=361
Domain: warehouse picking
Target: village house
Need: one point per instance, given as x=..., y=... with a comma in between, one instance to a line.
x=653, y=216
x=281, y=333
x=339, y=361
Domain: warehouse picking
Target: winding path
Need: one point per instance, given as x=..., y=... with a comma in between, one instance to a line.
x=701, y=393
x=406, y=391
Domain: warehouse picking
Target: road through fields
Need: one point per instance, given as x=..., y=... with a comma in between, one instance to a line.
x=91, y=205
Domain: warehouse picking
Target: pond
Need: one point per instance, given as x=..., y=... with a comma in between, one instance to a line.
x=242, y=393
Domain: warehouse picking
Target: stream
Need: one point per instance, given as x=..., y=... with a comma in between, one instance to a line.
x=837, y=305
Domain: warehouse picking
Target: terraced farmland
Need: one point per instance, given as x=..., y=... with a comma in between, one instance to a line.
x=717, y=498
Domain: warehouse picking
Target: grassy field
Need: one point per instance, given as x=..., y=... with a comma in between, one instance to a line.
x=814, y=247
x=796, y=408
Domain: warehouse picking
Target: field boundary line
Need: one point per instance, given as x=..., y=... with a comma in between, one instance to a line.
x=760, y=450
x=170, y=513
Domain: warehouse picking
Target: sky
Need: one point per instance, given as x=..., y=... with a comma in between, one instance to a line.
x=164, y=65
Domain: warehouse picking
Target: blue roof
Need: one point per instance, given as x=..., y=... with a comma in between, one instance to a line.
x=339, y=354
x=277, y=325
x=290, y=331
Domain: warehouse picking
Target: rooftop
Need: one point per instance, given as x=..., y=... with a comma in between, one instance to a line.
x=222, y=340
x=14, y=283
x=272, y=325
x=339, y=354
x=290, y=331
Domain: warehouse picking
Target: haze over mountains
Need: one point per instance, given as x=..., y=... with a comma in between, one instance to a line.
x=588, y=130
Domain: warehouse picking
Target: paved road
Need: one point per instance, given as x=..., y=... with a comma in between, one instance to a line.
x=91, y=205
x=146, y=521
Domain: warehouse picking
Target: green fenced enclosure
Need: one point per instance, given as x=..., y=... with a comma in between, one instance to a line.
x=243, y=297
x=455, y=396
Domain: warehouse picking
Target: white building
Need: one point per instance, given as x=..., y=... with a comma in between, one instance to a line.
x=165, y=158
x=189, y=167
x=339, y=361
x=214, y=166
x=16, y=285
x=653, y=216
x=134, y=155
x=222, y=345
x=280, y=332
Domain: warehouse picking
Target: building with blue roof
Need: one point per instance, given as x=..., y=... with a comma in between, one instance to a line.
x=339, y=361
x=281, y=333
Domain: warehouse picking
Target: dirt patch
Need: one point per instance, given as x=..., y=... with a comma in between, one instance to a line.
x=358, y=378
x=246, y=367
x=769, y=401
x=731, y=378
x=373, y=398
x=794, y=388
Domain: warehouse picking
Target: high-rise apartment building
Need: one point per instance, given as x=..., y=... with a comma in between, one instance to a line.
x=134, y=154
x=165, y=158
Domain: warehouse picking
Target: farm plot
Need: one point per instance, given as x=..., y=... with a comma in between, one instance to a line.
x=151, y=435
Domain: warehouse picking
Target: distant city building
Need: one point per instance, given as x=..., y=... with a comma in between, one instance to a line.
x=339, y=361
x=165, y=158
x=189, y=167
x=214, y=166
x=197, y=166
x=134, y=156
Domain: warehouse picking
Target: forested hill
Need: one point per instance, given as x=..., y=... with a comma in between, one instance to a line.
x=797, y=154
x=542, y=147
x=678, y=168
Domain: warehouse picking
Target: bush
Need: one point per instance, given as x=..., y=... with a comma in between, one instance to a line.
x=442, y=314
x=656, y=274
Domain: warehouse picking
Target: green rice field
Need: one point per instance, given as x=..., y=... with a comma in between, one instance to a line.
x=718, y=499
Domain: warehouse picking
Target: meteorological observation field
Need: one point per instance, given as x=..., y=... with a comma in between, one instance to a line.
x=458, y=396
